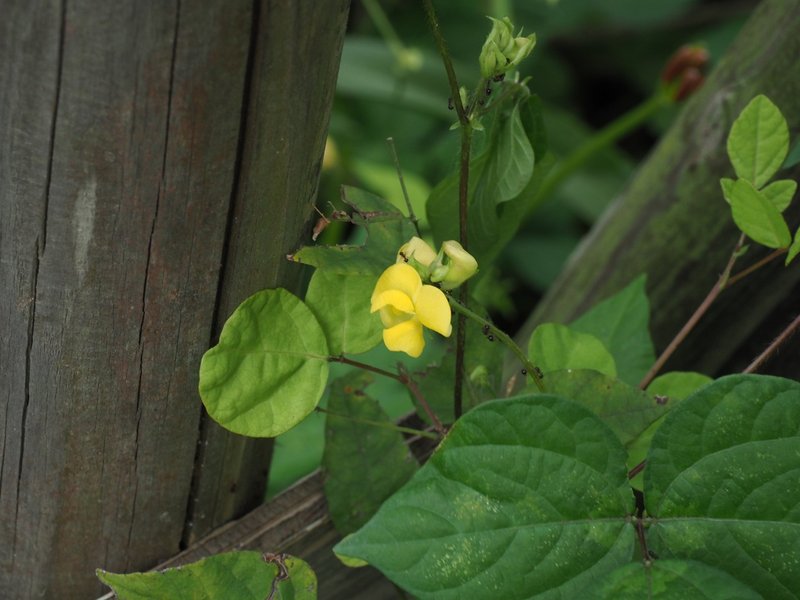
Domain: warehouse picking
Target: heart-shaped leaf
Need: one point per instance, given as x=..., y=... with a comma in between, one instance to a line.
x=759, y=141
x=269, y=369
x=524, y=497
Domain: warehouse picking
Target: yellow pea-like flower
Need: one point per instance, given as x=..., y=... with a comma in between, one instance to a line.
x=406, y=305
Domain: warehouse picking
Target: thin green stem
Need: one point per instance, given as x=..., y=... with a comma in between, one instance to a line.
x=384, y=27
x=601, y=140
x=530, y=369
x=396, y=160
x=381, y=424
x=696, y=316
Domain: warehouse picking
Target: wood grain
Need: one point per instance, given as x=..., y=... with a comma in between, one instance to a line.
x=139, y=139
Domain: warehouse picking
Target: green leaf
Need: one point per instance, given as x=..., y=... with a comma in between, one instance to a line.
x=364, y=464
x=510, y=164
x=240, y=575
x=727, y=188
x=387, y=229
x=757, y=217
x=269, y=369
x=341, y=304
x=723, y=482
x=554, y=347
x=759, y=141
x=794, y=249
x=677, y=385
x=671, y=579
x=523, y=497
x=780, y=193
x=621, y=323
x=669, y=390
x=627, y=410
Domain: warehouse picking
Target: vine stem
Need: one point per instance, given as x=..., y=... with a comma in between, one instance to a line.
x=755, y=266
x=792, y=328
x=381, y=424
x=463, y=191
x=602, y=139
x=701, y=310
x=532, y=370
x=404, y=377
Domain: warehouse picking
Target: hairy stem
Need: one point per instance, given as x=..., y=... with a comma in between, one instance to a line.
x=354, y=363
x=530, y=369
x=701, y=310
x=412, y=386
x=463, y=190
x=762, y=358
x=404, y=377
x=756, y=266
x=441, y=46
x=381, y=424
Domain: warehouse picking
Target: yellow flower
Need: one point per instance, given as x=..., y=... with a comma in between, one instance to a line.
x=461, y=265
x=418, y=250
x=405, y=305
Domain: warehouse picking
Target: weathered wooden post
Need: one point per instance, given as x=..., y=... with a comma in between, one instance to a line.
x=157, y=161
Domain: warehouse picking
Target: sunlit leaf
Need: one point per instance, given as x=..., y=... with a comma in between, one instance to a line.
x=341, y=304
x=780, y=193
x=759, y=141
x=554, y=347
x=757, y=217
x=240, y=575
x=524, y=497
x=364, y=464
x=269, y=369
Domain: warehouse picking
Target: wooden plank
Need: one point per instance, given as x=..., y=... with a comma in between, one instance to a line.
x=120, y=156
x=295, y=60
x=297, y=522
x=672, y=223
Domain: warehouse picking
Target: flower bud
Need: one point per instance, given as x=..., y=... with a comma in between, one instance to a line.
x=417, y=253
x=502, y=51
x=453, y=266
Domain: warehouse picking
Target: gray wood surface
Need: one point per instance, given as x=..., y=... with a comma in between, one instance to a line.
x=141, y=144
x=673, y=224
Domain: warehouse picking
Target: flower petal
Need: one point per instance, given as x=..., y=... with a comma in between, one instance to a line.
x=400, y=277
x=405, y=337
x=394, y=298
x=433, y=310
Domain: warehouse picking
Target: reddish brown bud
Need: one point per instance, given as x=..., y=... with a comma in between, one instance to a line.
x=692, y=80
x=685, y=58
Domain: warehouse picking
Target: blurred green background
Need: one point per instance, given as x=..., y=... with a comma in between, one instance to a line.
x=594, y=61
